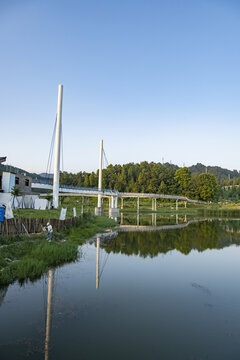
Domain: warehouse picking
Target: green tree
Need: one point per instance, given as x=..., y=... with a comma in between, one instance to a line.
x=162, y=188
x=86, y=180
x=15, y=191
x=206, y=186
x=93, y=180
x=183, y=179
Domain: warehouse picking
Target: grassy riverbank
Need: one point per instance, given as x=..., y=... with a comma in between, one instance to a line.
x=215, y=210
x=24, y=257
x=88, y=228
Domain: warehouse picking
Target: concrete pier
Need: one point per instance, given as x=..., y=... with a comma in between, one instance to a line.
x=99, y=211
x=113, y=210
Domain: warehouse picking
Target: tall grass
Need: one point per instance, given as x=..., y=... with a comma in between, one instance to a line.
x=24, y=258
x=32, y=259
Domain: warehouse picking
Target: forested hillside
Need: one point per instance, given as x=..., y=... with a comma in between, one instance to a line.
x=221, y=174
x=149, y=178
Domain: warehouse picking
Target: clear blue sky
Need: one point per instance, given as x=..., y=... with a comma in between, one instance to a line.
x=152, y=78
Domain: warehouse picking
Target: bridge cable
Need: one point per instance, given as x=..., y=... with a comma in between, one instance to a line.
x=102, y=262
x=103, y=266
x=105, y=158
x=49, y=163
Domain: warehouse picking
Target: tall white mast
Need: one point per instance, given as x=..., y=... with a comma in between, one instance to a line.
x=100, y=174
x=57, y=149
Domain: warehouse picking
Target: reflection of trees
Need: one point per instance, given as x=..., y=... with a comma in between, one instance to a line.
x=3, y=291
x=198, y=236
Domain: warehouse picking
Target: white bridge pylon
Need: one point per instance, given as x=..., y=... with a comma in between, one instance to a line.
x=57, y=149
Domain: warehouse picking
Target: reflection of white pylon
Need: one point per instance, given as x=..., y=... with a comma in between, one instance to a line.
x=97, y=263
x=154, y=219
x=137, y=218
x=49, y=306
x=121, y=218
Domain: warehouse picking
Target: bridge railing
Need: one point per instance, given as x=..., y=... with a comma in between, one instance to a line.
x=47, y=182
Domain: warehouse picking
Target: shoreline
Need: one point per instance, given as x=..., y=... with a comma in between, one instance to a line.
x=24, y=258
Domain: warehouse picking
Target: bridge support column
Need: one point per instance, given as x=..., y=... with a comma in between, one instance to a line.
x=112, y=202
x=122, y=203
x=154, y=204
x=185, y=204
x=176, y=204
x=114, y=211
x=138, y=204
x=99, y=211
x=177, y=219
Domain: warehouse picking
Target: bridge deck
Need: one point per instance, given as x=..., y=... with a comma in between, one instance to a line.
x=74, y=190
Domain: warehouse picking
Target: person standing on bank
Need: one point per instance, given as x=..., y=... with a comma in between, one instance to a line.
x=49, y=231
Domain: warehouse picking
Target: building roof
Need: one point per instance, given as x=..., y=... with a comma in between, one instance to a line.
x=2, y=159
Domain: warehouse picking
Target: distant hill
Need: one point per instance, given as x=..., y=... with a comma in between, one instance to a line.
x=16, y=170
x=220, y=173
x=45, y=175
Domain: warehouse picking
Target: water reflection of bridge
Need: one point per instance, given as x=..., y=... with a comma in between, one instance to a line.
x=128, y=228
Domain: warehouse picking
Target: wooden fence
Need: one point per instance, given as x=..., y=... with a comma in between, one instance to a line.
x=21, y=225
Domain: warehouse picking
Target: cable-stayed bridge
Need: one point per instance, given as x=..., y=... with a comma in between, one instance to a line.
x=113, y=195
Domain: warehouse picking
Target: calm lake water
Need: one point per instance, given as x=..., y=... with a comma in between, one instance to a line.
x=170, y=293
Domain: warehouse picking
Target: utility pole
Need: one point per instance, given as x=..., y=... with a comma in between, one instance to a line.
x=57, y=149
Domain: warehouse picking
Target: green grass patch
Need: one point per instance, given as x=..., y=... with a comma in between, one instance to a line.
x=30, y=259
x=23, y=257
x=70, y=202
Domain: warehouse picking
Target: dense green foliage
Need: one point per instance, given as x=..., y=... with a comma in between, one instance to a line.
x=148, y=178
x=232, y=194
